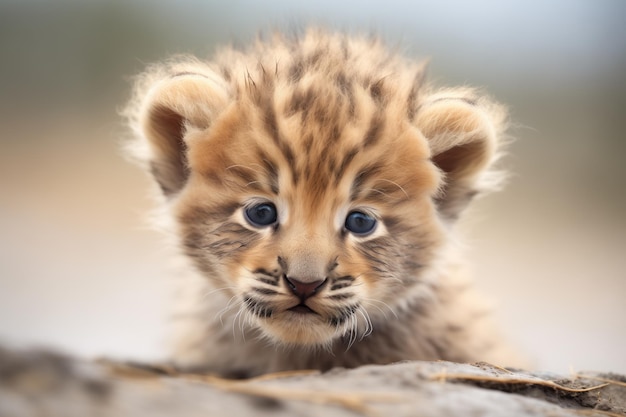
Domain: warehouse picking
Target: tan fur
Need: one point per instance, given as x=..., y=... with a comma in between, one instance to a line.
x=319, y=126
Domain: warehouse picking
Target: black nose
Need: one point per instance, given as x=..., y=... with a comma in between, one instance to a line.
x=302, y=289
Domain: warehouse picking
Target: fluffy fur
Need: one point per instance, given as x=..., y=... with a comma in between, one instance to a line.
x=318, y=126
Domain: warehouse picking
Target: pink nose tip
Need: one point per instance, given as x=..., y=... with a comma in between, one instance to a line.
x=304, y=290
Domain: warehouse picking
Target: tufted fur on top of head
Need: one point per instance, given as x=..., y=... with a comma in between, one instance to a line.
x=464, y=129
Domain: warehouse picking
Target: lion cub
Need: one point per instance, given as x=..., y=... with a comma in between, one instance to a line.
x=313, y=185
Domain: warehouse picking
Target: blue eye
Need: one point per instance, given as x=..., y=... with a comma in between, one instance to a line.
x=360, y=223
x=261, y=215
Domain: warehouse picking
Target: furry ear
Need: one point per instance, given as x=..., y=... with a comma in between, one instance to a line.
x=464, y=135
x=166, y=108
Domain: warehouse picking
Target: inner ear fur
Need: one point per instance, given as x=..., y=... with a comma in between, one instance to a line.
x=168, y=108
x=464, y=134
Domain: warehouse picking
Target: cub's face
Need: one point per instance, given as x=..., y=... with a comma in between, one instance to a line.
x=315, y=195
x=312, y=230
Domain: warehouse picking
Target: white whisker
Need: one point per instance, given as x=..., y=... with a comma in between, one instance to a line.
x=397, y=185
x=245, y=167
x=352, y=332
x=377, y=191
x=220, y=314
x=371, y=301
x=207, y=294
x=260, y=172
x=369, y=327
x=237, y=319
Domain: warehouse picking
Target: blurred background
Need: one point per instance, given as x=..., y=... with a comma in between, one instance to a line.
x=81, y=271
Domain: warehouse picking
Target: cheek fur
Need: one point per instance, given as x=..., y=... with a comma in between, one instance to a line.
x=221, y=244
x=208, y=233
x=398, y=258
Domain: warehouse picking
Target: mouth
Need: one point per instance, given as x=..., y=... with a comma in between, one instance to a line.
x=299, y=325
x=301, y=309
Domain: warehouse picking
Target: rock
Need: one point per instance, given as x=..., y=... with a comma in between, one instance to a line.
x=43, y=383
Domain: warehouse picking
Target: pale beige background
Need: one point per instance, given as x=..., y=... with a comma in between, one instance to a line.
x=79, y=271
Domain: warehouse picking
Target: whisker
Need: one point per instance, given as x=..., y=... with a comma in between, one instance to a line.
x=351, y=332
x=371, y=301
x=206, y=295
x=375, y=190
x=237, y=319
x=244, y=167
x=255, y=182
x=259, y=172
x=369, y=327
x=397, y=185
x=220, y=314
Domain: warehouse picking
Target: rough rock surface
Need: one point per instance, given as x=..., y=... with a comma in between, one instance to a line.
x=41, y=383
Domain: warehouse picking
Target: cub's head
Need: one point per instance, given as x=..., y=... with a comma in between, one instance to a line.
x=316, y=185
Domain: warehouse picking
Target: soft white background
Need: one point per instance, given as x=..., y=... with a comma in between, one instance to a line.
x=80, y=271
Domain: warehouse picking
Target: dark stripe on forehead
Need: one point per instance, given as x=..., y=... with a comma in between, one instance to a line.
x=270, y=121
x=291, y=160
x=296, y=71
x=334, y=132
x=302, y=63
x=377, y=91
x=375, y=130
x=331, y=162
x=300, y=101
x=308, y=143
x=362, y=177
x=343, y=165
x=270, y=170
x=271, y=126
x=346, y=89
